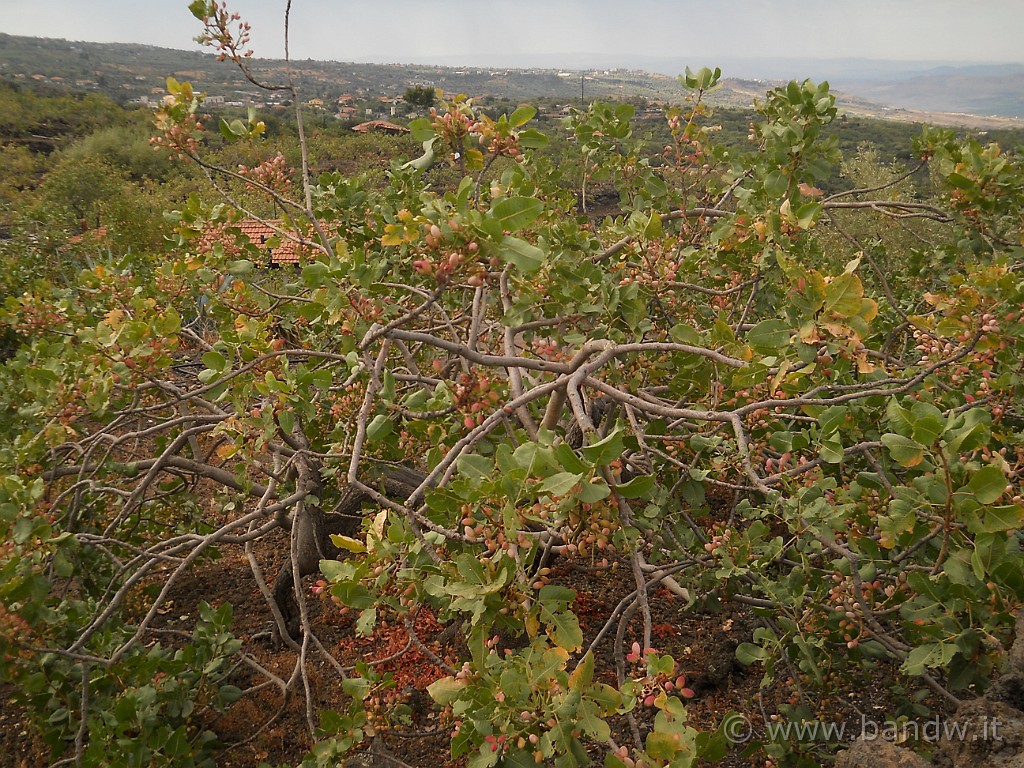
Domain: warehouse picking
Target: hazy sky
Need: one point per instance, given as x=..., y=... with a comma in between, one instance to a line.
x=418, y=30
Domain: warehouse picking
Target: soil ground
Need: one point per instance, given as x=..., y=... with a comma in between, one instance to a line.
x=258, y=729
x=704, y=643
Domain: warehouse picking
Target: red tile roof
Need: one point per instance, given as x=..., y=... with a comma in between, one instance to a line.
x=90, y=235
x=258, y=232
x=379, y=125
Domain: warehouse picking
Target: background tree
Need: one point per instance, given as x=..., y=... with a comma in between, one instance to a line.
x=420, y=96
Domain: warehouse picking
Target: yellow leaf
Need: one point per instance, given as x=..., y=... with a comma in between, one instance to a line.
x=864, y=365
x=808, y=333
x=532, y=625
x=376, y=533
x=838, y=329
x=808, y=191
x=348, y=543
x=395, y=234
x=868, y=309
x=783, y=370
x=558, y=652
x=226, y=450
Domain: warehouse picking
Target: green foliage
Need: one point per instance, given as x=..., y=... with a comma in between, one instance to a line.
x=142, y=711
x=420, y=96
x=52, y=117
x=125, y=147
x=525, y=707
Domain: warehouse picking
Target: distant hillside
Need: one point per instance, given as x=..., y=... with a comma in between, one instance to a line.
x=979, y=90
x=932, y=86
x=129, y=72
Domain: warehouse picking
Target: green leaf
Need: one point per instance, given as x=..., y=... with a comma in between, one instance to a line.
x=559, y=484
x=517, y=758
x=514, y=684
x=686, y=334
x=997, y=519
x=968, y=431
x=563, y=628
x=988, y=484
x=776, y=183
x=604, y=451
x=703, y=79
x=323, y=379
x=748, y=653
x=445, y=690
x=582, y=676
x=353, y=595
x=474, y=465
x=528, y=258
x=314, y=274
x=379, y=428
x=870, y=480
x=900, y=418
x=928, y=422
x=588, y=719
x=422, y=130
x=214, y=361
x=425, y=160
x=61, y=565
x=240, y=267
x=416, y=400
x=287, y=421
x=843, y=295
x=514, y=213
x=807, y=213
x=356, y=687
x=654, y=229
x=332, y=569
x=960, y=181
x=228, y=694
x=226, y=132
x=532, y=139
x=525, y=456
x=485, y=758
x=198, y=9
x=831, y=419
x=387, y=391
x=662, y=746
x=569, y=461
x=636, y=488
x=365, y=623
x=593, y=491
x=930, y=655
x=982, y=558
x=770, y=335
x=831, y=450
x=522, y=116
x=904, y=451
x=656, y=188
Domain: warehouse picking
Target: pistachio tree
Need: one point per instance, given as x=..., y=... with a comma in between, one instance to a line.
x=732, y=388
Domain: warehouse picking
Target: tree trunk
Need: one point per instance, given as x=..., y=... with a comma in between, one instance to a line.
x=312, y=528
